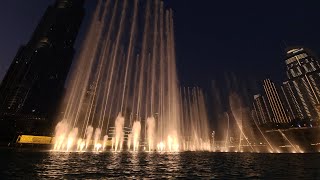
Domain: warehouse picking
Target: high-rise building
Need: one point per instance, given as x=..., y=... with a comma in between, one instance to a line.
x=295, y=109
x=262, y=110
x=35, y=80
x=302, y=87
x=297, y=101
x=279, y=111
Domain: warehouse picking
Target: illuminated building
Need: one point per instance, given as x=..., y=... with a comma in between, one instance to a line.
x=297, y=101
x=35, y=80
x=279, y=111
x=292, y=103
x=262, y=110
x=302, y=87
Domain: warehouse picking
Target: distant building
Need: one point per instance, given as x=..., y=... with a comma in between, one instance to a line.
x=262, y=110
x=302, y=87
x=279, y=111
x=35, y=80
x=297, y=101
x=296, y=110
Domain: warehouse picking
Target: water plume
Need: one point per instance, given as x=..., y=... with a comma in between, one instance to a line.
x=136, y=128
x=127, y=69
x=129, y=141
x=105, y=141
x=72, y=138
x=151, y=125
x=97, y=144
x=89, y=132
x=60, y=134
x=238, y=114
x=118, y=132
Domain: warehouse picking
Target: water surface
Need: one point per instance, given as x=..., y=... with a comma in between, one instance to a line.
x=186, y=165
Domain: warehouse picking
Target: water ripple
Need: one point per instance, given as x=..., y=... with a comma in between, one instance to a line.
x=186, y=165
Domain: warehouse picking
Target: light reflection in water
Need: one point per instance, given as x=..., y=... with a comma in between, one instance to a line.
x=124, y=165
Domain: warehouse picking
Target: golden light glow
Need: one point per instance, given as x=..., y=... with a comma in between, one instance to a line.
x=160, y=146
x=28, y=139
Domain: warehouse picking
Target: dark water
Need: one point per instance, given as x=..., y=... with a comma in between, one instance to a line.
x=186, y=165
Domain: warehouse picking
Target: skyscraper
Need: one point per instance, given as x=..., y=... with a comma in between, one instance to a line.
x=279, y=112
x=35, y=80
x=302, y=87
x=297, y=101
x=262, y=110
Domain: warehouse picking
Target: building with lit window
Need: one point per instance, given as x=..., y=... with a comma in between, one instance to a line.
x=279, y=111
x=296, y=102
x=262, y=110
x=34, y=82
x=302, y=87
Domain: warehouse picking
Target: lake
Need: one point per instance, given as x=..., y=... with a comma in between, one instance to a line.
x=185, y=165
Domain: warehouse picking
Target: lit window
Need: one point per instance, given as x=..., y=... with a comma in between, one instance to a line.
x=292, y=72
x=312, y=66
x=299, y=70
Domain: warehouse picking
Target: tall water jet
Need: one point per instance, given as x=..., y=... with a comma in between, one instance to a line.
x=151, y=125
x=89, y=132
x=105, y=141
x=196, y=119
x=129, y=141
x=226, y=145
x=127, y=63
x=172, y=142
x=96, y=139
x=60, y=134
x=136, y=128
x=264, y=137
x=237, y=111
x=118, y=132
x=294, y=149
x=80, y=144
x=72, y=137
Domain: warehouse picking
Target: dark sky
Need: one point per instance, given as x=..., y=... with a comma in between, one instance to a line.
x=248, y=38
x=212, y=37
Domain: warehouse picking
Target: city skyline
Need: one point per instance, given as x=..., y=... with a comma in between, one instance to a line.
x=296, y=101
x=224, y=76
x=159, y=89
x=266, y=52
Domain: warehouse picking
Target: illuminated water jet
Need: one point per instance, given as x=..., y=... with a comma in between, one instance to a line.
x=89, y=132
x=136, y=128
x=118, y=133
x=124, y=89
x=151, y=125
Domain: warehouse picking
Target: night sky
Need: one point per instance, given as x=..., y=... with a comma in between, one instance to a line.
x=213, y=38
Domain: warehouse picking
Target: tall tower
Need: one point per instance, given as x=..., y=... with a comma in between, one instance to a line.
x=35, y=80
x=37, y=74
x=276, y=103
x=262, y=110
x=303, y=71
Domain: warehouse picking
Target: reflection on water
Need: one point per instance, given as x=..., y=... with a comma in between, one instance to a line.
x=157, y=165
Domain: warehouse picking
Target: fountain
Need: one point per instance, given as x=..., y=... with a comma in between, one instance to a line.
x=97, y=134
x=88, y=136
x=136, y=128
x=124, y=90
x=151, y=124
x=118, y=133
x=119, y=70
